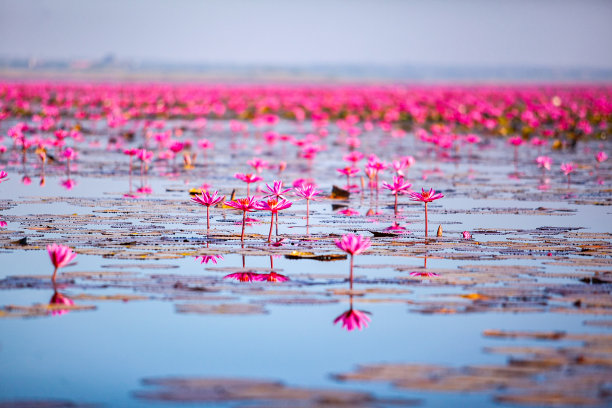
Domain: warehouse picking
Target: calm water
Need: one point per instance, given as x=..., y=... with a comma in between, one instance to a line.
x=102, y=356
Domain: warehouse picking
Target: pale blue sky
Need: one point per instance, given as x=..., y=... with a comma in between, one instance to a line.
x=559, y=33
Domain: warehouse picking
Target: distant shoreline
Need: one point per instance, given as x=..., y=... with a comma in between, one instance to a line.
x=277, y=76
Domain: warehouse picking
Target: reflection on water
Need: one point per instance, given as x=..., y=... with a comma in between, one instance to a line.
x=57, y=300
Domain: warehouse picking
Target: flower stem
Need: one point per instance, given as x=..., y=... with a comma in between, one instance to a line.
x=395, y=204
x=425, y=219
x=207, y=218
x=243, y=222
x=54, y=275
x=271, y=225
x=351, y=277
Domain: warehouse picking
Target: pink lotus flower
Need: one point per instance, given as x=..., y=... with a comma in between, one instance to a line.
x=258, y=164
x=61, y=255
x=568, y=169
x=373, y=168
x=248, y=178
x=308, y=192
x=145, y=155
x=544, y=162
x=536, y=141
x=3, y=176
x=354, y=157
x=515, y=141
x=426, y=197
x=3, y=223
x=353, y=244
x=274, y=206
x=69, y=154
x=176, y=147
x=207, y=200
x=209, y=258
x=245, y=205
x=467, y=235
x=398, y=166
x=398, y=187
x=472, y=138
x=353, y=319
x=601, y=157
x=348, y=172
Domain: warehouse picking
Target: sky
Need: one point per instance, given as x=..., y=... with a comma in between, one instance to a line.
x=481, y=33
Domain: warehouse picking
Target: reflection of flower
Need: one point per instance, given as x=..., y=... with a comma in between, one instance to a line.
x=69, y=184
x=395, y=227
x=273, y=277
x=278, y=242
x=424, y=274
x=353, y=319
x=145, y=190
x=349, y=212
x=60, y=299
x=208, y=258
x=244, y=276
